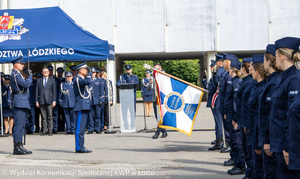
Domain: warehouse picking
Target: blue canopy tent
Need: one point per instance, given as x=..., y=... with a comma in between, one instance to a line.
x=52, y=37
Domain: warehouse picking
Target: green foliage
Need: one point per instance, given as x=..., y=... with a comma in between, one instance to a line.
x=187, y=70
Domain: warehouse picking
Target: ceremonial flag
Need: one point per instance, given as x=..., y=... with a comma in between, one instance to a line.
x=178, y=102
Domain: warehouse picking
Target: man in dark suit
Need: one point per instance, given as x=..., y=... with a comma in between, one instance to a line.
x=45, y=98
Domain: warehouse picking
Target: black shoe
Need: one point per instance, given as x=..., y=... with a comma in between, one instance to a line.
x=27, y=151
x=83, y=151
x=18, y=150
x=44, y=133
x=246, y=177
x=50, y=133
x=54, y=132
x=226, y=149
x=155, y=135
x=68, y=133
x=89, y=132
x=238, y=171
x=72, y=133
x=213, y=142
x=30, y=133
x=229, y=162
x=229, y=171
x=164, y=135
x=98, y=132
x=218, y=145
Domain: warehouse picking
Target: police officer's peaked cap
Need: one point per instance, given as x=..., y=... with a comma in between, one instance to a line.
x=7, y=77
x=39, y=75
x=60, y=69
x=26, y=71
x=231, y=57
x=257, y=59
x=93, y=69
x=236, y=64
x=147, y=71
x=82, y=65
x=247, y=59
x=288, y=42
x=50, y=67
x=219, y=57
x=212, y=63
x=224, y=56
x=128, y=67
x=18, y=60
x=271, y=49
x=68, y=74
x=73, y=67
x=98, y=70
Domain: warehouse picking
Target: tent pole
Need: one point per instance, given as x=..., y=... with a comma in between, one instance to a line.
x=108, y=84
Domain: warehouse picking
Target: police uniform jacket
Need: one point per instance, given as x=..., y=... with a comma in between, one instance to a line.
x=245, y=98
x=146, y=87
x=229, y=101
x=264, y=108
x=252, y=120
x=222, y=87
x=220, y=73
x=124, y=78
x=66, y=95
x=246, y=81
x=32, y=92
x=19, y=87
x=97, y=91
x=281, y=100
x=6, y=96
x=81, y=91
x=212, y=88
x=294, y=134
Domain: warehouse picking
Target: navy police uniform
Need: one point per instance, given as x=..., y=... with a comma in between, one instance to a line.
x=230, y=111
x=19, y=87
x=294, y=137
x=82, y=107
x=6, y=99
x=97, y=90
x=67, y=102
x=131, y=79
x=269, y=162
x=147, y=89
x=31, y=118
x=216, y=109
x=281, y=100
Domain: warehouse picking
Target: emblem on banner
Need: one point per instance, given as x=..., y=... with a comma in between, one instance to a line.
x=11, y=28
x=174, y=102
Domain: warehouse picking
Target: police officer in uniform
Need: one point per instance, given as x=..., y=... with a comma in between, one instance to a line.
x=215, y=103
x=281, y=100
x=82, y=105
x=7, y=106
x=129, y=78
x=211, y=86
x=19, y=87
x=269, y=159
x=67, y=102
x=61, y=119
x=97, y=90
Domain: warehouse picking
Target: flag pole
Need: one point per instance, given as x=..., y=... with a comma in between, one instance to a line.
x=178, y=79
x=174, y=77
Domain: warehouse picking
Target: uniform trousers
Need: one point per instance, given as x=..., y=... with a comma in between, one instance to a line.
x=81, y=121
x=20, y=116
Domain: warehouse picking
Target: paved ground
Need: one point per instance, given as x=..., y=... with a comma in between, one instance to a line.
x=118, y=155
